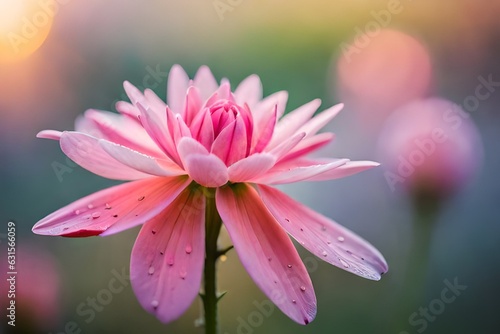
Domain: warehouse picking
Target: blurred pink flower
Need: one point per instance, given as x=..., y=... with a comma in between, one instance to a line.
x=430, y=145
x=380, y=72
x=207, y=136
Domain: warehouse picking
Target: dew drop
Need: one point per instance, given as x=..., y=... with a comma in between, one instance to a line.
x=269, y=259
x=151, y=270
x=183, y=274
x=96, y=215
x=115, y=216
x=301, y=229
x=141, y=198
x=363, y=258
x=170, y=262
x=325, y=254
x=289, y=266
x=90, y=206
x=288, y=220
x=188, y=249
x=328, y=242
x=348, y=252
x=155, y=303
x=161, y=253
x=153, y=231
x=294, y=301
x=302, y=288
x=340, y=239
x=345, y=264
x=107, y=207
x=66, y=228
x=323, y=228
x=77, y=212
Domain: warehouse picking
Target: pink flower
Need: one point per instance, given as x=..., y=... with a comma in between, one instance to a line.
x=430, y=147
x=207, y=136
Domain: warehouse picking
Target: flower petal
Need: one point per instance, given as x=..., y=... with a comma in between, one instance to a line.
x=49, y=134
x=348, y=169
x=167, y=259
x=113, y=209
x=177, y=85
x=86, y=152
x=249, y=91
x=291, y=122
x=318, y=122
x=268, y=104
x=122, y=130
x=267, y=252
x=231, y=144
x=140, y=161
x=205, y=82
x=251, y=167
x=205, y=168
x=323, y=237
x=301, y=173
x=308, y=145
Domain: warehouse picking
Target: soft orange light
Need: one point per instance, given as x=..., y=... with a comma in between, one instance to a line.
x=24, y=26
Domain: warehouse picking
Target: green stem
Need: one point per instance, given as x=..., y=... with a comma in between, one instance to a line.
x=213, y=224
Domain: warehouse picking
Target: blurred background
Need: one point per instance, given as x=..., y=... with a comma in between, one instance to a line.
x=60, y=57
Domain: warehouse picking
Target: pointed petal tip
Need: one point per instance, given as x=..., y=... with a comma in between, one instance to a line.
x=49, y=134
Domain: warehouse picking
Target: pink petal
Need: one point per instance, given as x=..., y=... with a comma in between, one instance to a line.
x=231, y=144
x=154, y=102
x=263, y=131
x=286, y=146
x=291, y=122
x=319, y=121
x=49, y=134
x=251, y=167
x=156, y=127
x=124, y=131
x=202, y=129
x=193, y=104
x=249, y=91
x=114, y=209
x=167, y=259
x=348, y=169
x=301, y=173
x=277, y=100
x=323, y=237
x=133, y=93
x=204, y=168
x=267, y=252
x=86, y=152
x=140, y=161
x=177, y=85
x=308, y=145
x=127, y=109
x=205, y=82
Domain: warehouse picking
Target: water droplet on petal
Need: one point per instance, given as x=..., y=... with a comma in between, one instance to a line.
x=302, y=288
x=189, y=249
x=153, y=231
x=328, y=242
x=115, y=216
x=325, y=254
x=107, y=206
x=65, y=228
x=288, y=220
x=345, y=264
x=96, y=215
x=269, y=259
x=141, y=198
x=151, y=270
x=170, y=262
x=323, y=228
x=294, y=301
x=301, y=229
x=340, y=239
x=289, y=266
x=155, y=303
x=183, y=274
x=90, y=206
x=77, y=212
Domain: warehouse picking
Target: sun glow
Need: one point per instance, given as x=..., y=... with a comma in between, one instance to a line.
x=24, y=26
